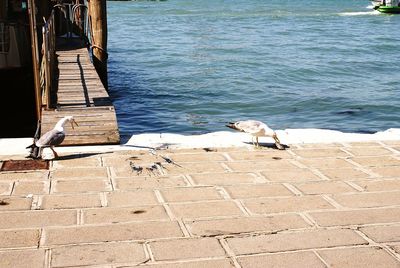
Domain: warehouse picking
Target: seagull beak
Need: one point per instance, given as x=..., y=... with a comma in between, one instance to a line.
x=73, y=122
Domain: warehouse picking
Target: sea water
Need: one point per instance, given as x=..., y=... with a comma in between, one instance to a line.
x=190, y=66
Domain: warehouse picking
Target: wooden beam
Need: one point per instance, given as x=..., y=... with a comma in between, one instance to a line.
x=35, y=56
x=98, y=19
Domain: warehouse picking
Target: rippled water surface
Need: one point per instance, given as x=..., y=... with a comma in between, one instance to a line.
x=189, y=66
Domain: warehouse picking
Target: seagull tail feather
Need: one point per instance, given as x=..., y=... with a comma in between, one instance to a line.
x=31, y=146
x=34, y=152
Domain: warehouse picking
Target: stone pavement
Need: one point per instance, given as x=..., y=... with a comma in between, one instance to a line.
x=320, y=205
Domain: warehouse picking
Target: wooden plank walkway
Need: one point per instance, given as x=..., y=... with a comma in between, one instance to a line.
x=82, y=95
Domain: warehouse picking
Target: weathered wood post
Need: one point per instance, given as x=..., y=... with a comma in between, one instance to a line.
x=98, y=18
x=35, y=56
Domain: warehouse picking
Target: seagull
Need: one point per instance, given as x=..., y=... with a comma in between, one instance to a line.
x=256, y=129
x=53, y=137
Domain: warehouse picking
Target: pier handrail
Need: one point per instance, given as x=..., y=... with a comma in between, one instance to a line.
x=48, y=67
x=80, y=19
x=73, y=15
x=64, y=9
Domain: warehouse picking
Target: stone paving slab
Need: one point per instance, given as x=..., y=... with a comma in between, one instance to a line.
x=284, y=260
x=187, y=249
x=29, y=187
x=33, y=258
x=312, y=205
x=79, y=255
x=359, y=257
x=295, y=241
x=246, y=225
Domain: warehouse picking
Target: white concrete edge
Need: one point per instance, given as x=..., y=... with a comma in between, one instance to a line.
x=17, y=146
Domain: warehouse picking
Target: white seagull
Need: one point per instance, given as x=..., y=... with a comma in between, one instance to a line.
x=53, y=137
x=256, y=129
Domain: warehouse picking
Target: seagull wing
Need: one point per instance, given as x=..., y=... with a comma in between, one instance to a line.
x=51, y=138
x=250, y=126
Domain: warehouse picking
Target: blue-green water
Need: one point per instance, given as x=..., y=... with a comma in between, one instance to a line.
x=189, y=66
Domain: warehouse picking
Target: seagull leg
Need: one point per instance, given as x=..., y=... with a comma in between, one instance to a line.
x=39, y=155
x=54, y=152
x=258, y=144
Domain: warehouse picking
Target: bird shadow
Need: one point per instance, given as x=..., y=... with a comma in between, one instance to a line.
x=270, y=145
x=76, y=156
x=163, y=146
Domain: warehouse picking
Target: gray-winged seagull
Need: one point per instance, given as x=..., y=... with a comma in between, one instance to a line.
x=256, y=129
x=53, y=137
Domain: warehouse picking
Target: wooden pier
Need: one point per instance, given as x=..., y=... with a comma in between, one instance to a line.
x=81, y=94
x=69, y=81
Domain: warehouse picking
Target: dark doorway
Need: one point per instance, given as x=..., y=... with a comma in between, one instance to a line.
x=17, y=107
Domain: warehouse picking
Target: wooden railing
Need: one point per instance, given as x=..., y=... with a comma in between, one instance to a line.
x=74, y=20
x=48, y=70
x=35, y=57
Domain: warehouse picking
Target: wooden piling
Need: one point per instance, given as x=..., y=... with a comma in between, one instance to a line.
x=98, y=19
x=35, y=56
